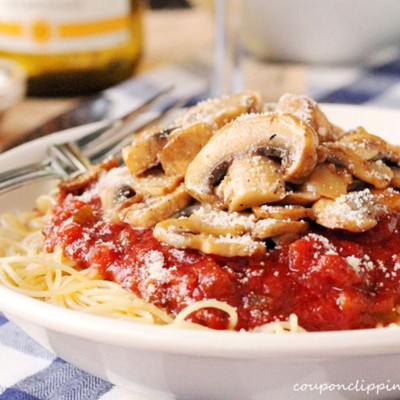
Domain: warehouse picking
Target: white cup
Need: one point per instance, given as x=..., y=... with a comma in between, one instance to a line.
x=319, y=31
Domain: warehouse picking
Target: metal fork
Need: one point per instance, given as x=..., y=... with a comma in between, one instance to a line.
x=69, y=157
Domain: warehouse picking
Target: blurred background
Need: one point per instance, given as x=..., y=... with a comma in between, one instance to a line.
x=168, y=4
x=332, y=51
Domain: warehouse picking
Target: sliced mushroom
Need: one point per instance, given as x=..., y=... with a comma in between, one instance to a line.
x=216, y=222
x=322, y=154
x=156, y=208
x=283, y=136
x=117, y=191
x=84, y=215
x=175, y=233
x=392, y=153
x=223, y=110
x=286, y=238
x=251, y=180
x=300, y=198
x=357, y=211
x=223, y=233
x=395, y=182
x=370, y=147
x=289, y=212
x=354, y=211
x=154, y=182
x=388, y=199
x=183, y=146
x=271, y=227
x=367, y=146
x=357, y=184
x=376, y=173
x=144, y=151
x=77, y=183
x=327, y=180
x=181, y=233
x=308, y=111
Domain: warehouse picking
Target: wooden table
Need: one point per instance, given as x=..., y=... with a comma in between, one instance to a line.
x=170, y=36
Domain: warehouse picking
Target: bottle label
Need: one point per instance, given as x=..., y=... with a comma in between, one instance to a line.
x=60, y=26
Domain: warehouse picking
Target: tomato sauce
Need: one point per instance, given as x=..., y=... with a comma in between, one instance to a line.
x=332, y=280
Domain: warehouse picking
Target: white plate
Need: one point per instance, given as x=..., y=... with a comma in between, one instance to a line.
x=205, y=364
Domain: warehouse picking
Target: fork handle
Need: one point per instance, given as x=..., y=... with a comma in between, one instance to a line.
x=18, y=177
x=15, y=172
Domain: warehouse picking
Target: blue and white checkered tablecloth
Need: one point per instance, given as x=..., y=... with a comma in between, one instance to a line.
x=29, y=372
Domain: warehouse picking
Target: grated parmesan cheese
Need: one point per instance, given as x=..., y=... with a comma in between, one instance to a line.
x=154, y=263
x=221, y=218
x=354, y=263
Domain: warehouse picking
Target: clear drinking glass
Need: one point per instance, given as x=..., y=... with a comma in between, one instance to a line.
x=236, y=66
x=227, y=78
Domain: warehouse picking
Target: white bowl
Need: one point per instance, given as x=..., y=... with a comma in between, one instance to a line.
x=319, y=31
x=196, y=364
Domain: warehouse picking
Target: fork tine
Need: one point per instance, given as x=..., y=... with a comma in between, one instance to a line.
x=69, y=157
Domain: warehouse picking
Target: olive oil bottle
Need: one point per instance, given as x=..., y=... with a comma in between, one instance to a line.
x=72, y=47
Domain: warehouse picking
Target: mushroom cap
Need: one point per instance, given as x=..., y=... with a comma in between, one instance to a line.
x=308, y=111
x=213, y=231
x=251, y=180
x=222, y=110
x=183, y=145
x=279, y=135
x=377, y=173
x=327, y=180
x=354, y=211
